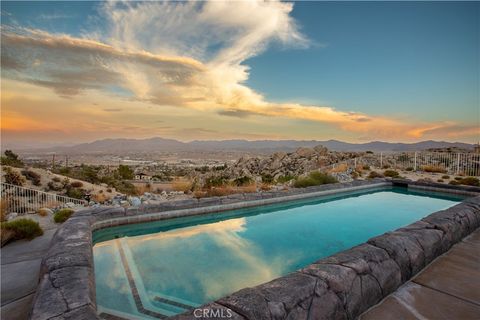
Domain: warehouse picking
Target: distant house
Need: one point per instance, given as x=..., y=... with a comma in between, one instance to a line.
x=142, y=176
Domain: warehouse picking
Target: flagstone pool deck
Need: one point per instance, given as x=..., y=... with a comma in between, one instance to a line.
x=20, y=271
x=448, y=288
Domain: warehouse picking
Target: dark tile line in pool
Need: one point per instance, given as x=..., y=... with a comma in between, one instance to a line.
x=174, y=303
x=133, y=286
x=339, y=286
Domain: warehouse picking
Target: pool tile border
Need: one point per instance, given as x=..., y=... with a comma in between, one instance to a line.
x=341, y=286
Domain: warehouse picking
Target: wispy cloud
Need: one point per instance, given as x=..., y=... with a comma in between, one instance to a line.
x=189, y=55
x=55, y=16
x=112, y=110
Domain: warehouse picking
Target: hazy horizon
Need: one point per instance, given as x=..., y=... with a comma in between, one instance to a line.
x=76, y=72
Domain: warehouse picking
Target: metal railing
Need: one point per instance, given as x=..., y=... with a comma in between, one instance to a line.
x=466, y=164
x=22, y=200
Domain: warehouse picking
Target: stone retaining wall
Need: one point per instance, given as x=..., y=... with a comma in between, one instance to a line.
x=341, y=286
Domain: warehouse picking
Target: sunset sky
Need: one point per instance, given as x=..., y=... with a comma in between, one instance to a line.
x=81, y=71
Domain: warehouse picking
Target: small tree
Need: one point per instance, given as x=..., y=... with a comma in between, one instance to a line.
x=11, y=159
x=125, y=172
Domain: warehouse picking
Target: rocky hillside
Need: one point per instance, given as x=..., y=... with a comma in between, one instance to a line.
x=285, y=165
x=45, y=180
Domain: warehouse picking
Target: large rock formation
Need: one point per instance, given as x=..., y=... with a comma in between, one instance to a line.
x=279, y=164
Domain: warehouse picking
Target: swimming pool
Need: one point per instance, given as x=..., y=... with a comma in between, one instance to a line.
x=162, y=268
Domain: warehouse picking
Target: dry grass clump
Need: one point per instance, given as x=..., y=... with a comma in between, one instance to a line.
x=100, y=197
x=374, y=174
x=339, y=168
x=142, y=188
x=179, y=185
x=42, y=212
x=434, y=169
x=214, y=192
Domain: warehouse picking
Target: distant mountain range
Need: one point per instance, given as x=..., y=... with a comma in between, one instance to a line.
x=156, y=145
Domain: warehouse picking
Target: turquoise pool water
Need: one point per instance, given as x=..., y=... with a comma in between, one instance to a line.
x=157, y=269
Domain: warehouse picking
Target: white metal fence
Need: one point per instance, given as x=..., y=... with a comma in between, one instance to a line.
x=21, y=200
x=466, y=164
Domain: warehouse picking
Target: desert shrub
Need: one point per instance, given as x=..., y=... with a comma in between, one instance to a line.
x=202, y=169
x=434, y=169
x=11, y=159
x=355, y=175
x=242, y=181
x=285, y=178
x=366, y=167
x=32, y=176
x=454, y=183
x=75, y=193
x=386, y=166
x=109, y=190
x=23, y=228
x=76, y=184
x=470, y=181
x=215, y=182
x=391, y=173
x=458, y=178
x=439, y=180
x=62, y=215
x=125, y=187
x=267, y=178
x=54, y=186
x=374, y=174
x=370, y=152
x=445, y=177
x=314, y=179
x=220, y=168
x=409, y=169
x=56, y=179
x=12, y=177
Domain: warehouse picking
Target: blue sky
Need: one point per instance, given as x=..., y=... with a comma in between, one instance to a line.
x=407, y=60
x=380, y=57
